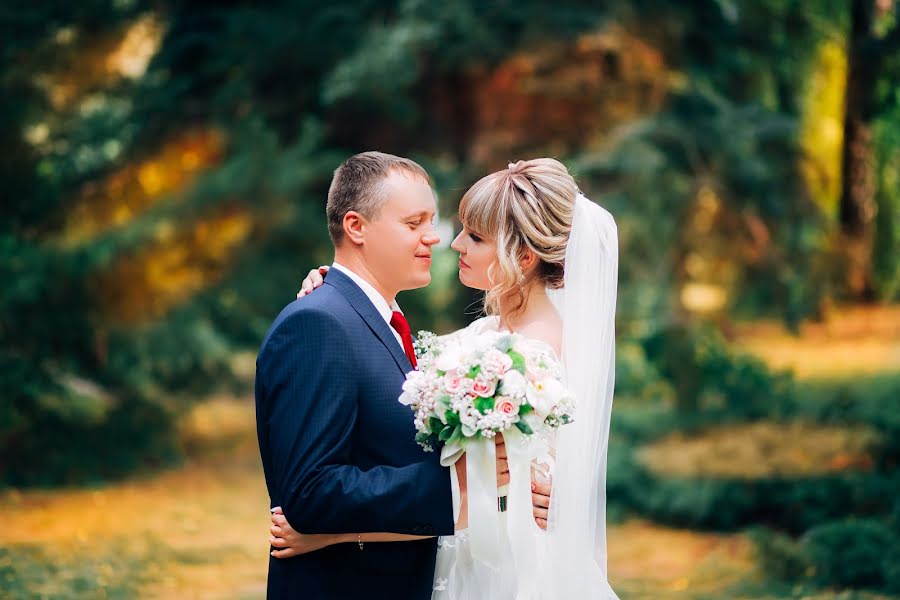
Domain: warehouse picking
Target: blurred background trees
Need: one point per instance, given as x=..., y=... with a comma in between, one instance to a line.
x=165, y=165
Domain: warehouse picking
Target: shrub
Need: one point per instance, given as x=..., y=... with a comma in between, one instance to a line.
x=849, y=553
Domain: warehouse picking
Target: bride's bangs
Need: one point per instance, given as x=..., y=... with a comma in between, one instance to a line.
x=479, y=209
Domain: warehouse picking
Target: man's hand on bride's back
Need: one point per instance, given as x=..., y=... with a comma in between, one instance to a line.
x=314, y=279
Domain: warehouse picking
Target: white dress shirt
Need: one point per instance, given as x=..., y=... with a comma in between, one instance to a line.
x=386, y=311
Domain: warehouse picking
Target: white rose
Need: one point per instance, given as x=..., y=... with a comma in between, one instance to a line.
x=406, y=398
x=544, y=395
x=514, y=384
x=449, y=358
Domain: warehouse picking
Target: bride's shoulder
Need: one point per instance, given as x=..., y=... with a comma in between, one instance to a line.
x=488, y=323
x=548, y=332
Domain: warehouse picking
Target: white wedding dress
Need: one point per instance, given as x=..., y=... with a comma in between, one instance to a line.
x=458, y=575
x=568, y=561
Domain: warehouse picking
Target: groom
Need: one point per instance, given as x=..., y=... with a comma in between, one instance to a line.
x=338, y=449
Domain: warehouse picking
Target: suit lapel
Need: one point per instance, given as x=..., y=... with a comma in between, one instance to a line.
x=364, y=307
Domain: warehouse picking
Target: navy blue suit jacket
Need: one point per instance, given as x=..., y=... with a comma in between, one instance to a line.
x=339, y=450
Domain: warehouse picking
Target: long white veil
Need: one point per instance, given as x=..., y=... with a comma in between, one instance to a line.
x=576, y=562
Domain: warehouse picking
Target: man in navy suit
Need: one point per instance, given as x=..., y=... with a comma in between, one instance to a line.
x=338, y=449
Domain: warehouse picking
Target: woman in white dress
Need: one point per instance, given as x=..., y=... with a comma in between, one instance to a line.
x=547, y=258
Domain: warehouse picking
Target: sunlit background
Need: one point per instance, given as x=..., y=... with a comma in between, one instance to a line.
x=164, y=167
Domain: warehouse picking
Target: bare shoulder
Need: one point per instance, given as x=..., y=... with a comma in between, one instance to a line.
x=547, y=329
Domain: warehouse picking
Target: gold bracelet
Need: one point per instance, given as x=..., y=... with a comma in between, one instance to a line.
x=359, y=540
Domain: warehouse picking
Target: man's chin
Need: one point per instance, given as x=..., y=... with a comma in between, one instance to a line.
x=418, y=282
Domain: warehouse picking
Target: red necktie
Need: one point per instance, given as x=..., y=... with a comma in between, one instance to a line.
x=400, y=324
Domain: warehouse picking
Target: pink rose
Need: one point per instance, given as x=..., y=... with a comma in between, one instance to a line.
x=485, y=389
x=507, y=406
x=453, y=382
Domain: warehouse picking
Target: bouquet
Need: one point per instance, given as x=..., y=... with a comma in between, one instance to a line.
x=473, y=386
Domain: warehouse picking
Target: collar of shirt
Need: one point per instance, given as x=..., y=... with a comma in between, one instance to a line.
x=386, y=311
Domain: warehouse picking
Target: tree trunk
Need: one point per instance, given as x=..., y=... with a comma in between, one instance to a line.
x=857, y=205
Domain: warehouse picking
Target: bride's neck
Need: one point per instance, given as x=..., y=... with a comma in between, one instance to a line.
x=535, y=307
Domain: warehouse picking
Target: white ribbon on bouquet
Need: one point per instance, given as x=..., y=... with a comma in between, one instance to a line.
x=486, y=536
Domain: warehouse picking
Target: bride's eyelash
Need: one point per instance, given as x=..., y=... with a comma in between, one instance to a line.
x=475, y=238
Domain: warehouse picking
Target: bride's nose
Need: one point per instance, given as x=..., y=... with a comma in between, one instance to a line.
x=455, y=244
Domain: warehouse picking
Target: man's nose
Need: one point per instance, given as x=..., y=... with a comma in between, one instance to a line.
x=431, y=237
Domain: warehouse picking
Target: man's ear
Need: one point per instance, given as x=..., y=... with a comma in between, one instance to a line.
x=354, y=227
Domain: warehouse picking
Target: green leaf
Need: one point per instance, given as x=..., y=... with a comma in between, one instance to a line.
x=442, y=403
x=422, y=437
x=504, y=344
x=525, y=408
x=456, y=435
x=452, y=417
x=435, y=424
x=524, y=428
x=484, y=404
x=473, y=372
x=446, y=433
x=518, y=361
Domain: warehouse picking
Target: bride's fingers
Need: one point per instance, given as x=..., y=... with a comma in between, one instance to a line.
x=540, y=488
x=280, y=520
x=541, y=513
x=539, y=501
x=312, y=280
x=276, y=530
x=278, y=542
x=542, y=523
x=284, y=553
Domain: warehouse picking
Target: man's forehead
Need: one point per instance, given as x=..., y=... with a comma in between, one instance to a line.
x=411, y=187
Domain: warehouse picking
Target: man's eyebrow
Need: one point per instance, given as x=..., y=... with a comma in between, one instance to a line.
x=421, y=213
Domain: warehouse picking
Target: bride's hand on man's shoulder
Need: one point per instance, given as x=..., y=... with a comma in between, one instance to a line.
x=314, y=279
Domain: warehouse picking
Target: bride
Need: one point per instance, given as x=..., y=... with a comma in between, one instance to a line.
x=547, y=258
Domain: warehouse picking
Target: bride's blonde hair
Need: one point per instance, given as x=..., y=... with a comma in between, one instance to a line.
x=528, y=205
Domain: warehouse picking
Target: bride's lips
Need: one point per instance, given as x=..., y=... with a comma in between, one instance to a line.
x=462, y=264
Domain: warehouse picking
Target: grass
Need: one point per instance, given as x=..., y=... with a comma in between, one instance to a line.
x=855, y=342
x=763, y=450
x=200, y=532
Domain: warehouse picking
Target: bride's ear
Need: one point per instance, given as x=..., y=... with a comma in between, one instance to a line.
x=528, y=260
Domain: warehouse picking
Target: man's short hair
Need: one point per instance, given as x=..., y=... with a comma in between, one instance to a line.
x=359, y=185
